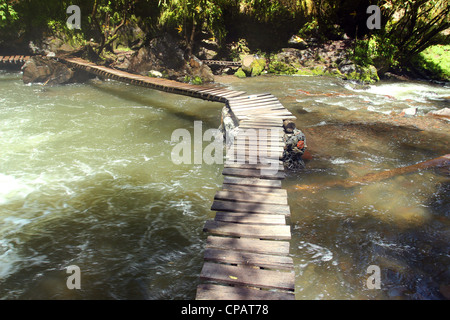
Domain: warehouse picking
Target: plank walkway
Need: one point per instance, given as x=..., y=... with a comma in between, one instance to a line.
x=247, y=249
x=222, y=63
x=18, y=59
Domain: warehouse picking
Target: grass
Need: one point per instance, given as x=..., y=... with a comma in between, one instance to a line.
x=435, y=61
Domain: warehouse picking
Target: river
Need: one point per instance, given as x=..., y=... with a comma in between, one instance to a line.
x=86, y=179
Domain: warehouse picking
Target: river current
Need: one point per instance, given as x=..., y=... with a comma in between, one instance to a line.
x=87, y=179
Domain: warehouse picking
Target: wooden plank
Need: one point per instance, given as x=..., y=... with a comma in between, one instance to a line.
x=270, y=172
x=256, y=145
x=218, y=92
x=250, y=158
x=249, y=245
x=243, y=188
x=234, y=94
x=208, y=291
x=229, y=164
x=263, y=156
x=266, y=131
x=255, y=113
x=274, y=123
x=255, y=148
x=250, y=197
x=266, y=123
x=229, y=92
x=254, y=103
x=252, y=218
x=254, y=98
x=210, y=91
x=273, y=163
x=259, y=133
x=243, y=117
x=272, y=138
x=239, y=206
x=269, y=126
x=250, y=97
x=266, y=261
x=248, y=276
x=247, y=106
x=261, y=148
x=260, y=110
x=272, y=232
x=252, y=182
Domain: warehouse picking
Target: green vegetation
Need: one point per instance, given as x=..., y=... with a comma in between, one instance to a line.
x=408, y=27
x=191, y=16
x=240, y=73
x=194, y=80
x=7, y=14
x=435, y=60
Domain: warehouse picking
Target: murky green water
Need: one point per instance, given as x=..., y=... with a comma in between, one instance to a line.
x=86, y=179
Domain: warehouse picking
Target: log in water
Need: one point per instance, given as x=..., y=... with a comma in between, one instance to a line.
x=378, y=176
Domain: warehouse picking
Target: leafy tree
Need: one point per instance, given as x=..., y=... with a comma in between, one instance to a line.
x=108, y=17
x=414, y=25
x=408, y=28
x=7, y=14
x=192, y=16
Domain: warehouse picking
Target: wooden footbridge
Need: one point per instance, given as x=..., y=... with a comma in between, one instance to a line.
x=222, y=63
x=13, y=60
x=247, y=249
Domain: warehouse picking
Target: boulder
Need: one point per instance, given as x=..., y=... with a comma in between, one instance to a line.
x=352, y=71
x=199, y=69
x=165, y=56
x=290, y=56
x=253, y=65
x=247, y=61
x=409, y=111
x=154, y=73
x=347, y=67
x=443, y=113
x=39, y=69
x=297, y=42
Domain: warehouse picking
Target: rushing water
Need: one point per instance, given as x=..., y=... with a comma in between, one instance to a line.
x=86, y=179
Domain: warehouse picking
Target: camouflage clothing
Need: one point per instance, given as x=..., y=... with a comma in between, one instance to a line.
x=295, y=142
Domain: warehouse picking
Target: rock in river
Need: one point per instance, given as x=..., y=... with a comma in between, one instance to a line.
x=39, y=69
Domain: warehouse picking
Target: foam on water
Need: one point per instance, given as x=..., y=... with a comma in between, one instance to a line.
x=318, y=253
x=406, y=91
x=12, y=189
x=8, y=258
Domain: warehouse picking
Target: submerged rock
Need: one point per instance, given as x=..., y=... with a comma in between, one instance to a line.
x=409, y=112
x=444, y=113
